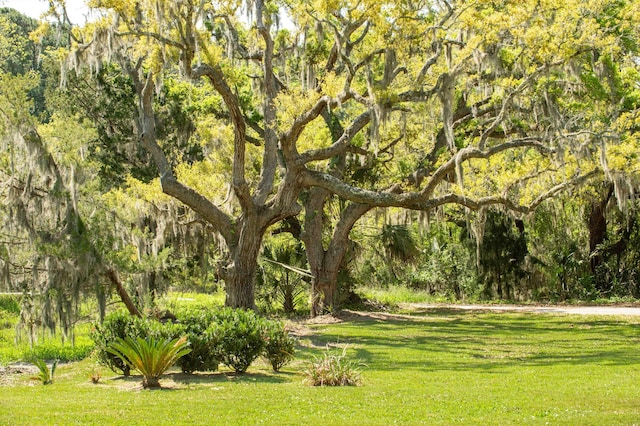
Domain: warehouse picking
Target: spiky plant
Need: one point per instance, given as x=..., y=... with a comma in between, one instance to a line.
x=46, y=374
x=151, y=357
x=334, y=370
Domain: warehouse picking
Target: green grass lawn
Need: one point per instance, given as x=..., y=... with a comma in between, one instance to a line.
x=434, y=367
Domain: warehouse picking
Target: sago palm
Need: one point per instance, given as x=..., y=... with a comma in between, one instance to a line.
x=151, y=357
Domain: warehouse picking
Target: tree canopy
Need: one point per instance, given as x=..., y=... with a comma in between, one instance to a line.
x=270, y=113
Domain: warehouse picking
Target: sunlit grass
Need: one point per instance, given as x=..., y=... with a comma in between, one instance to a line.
x=175, y=300
x=394, y=295
x=438, y=367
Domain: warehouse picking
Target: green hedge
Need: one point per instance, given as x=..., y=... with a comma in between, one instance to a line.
x=233, y=337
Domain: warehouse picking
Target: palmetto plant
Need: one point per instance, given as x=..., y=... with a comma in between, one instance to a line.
x=399, y=247
x=46, y=374
x=283, y=262
x=151, y=357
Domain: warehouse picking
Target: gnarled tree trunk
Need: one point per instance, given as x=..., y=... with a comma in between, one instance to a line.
x=240, y=283
x=240, y=274
x=597, y=224
x=325, y=264
x=122, y=292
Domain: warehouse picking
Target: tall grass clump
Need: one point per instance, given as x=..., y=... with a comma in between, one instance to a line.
x=334, y=370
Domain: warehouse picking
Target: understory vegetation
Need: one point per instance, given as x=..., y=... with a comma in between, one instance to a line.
x=438, y=366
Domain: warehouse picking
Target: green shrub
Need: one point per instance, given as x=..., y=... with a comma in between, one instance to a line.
x=51, y=350
x=195, y=324
x=334, y=370
x=151, y=356
x=117, y=325
x=279, y=347
x=233, y=337
x=10, y=303
x=238, y=338
x=151, y=327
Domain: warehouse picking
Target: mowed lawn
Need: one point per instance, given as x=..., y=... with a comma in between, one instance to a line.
x=433, y=367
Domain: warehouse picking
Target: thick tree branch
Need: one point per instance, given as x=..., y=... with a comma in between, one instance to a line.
x=270, y=152
x=339, y=146
x=289, y=139
x=239, y=183
x=122, y=292
x=170, y=185
x=411, y=199
x=156, y=36
x=468, y=153
x=476, y=204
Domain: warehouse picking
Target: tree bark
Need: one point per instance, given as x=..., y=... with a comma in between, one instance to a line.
x=240, y=273
x=325, y=264
x=122, y=292
x=312, y=239
x=240, y=282
x=324, y=290
x=597, y=224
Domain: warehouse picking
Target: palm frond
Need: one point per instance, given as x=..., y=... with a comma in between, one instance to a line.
x=151, y=357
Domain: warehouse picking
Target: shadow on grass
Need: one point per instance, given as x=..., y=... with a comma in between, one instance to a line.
x=184, y=380
x=451, y=339
x=224, y=377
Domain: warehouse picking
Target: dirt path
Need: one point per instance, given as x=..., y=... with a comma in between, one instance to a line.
x=551, y=309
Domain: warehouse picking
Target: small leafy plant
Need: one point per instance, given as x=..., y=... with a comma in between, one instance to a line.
x=279, y=346
x=334, y=370
x=237, y=336
x=151, y=357
x=45, y=374
x=95, y=376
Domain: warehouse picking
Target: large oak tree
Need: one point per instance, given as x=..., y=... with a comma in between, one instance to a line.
x=473, y=103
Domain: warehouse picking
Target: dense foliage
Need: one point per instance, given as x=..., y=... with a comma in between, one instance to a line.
x=279, y=345
x=239, y=338
x=233, y=337
x=480, y=150
x=195, y=324
x=117, y=325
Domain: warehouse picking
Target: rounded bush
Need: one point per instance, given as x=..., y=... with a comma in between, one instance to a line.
x=238, y=337
x=279, y=346
x=117, y=325
x=203, y=357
